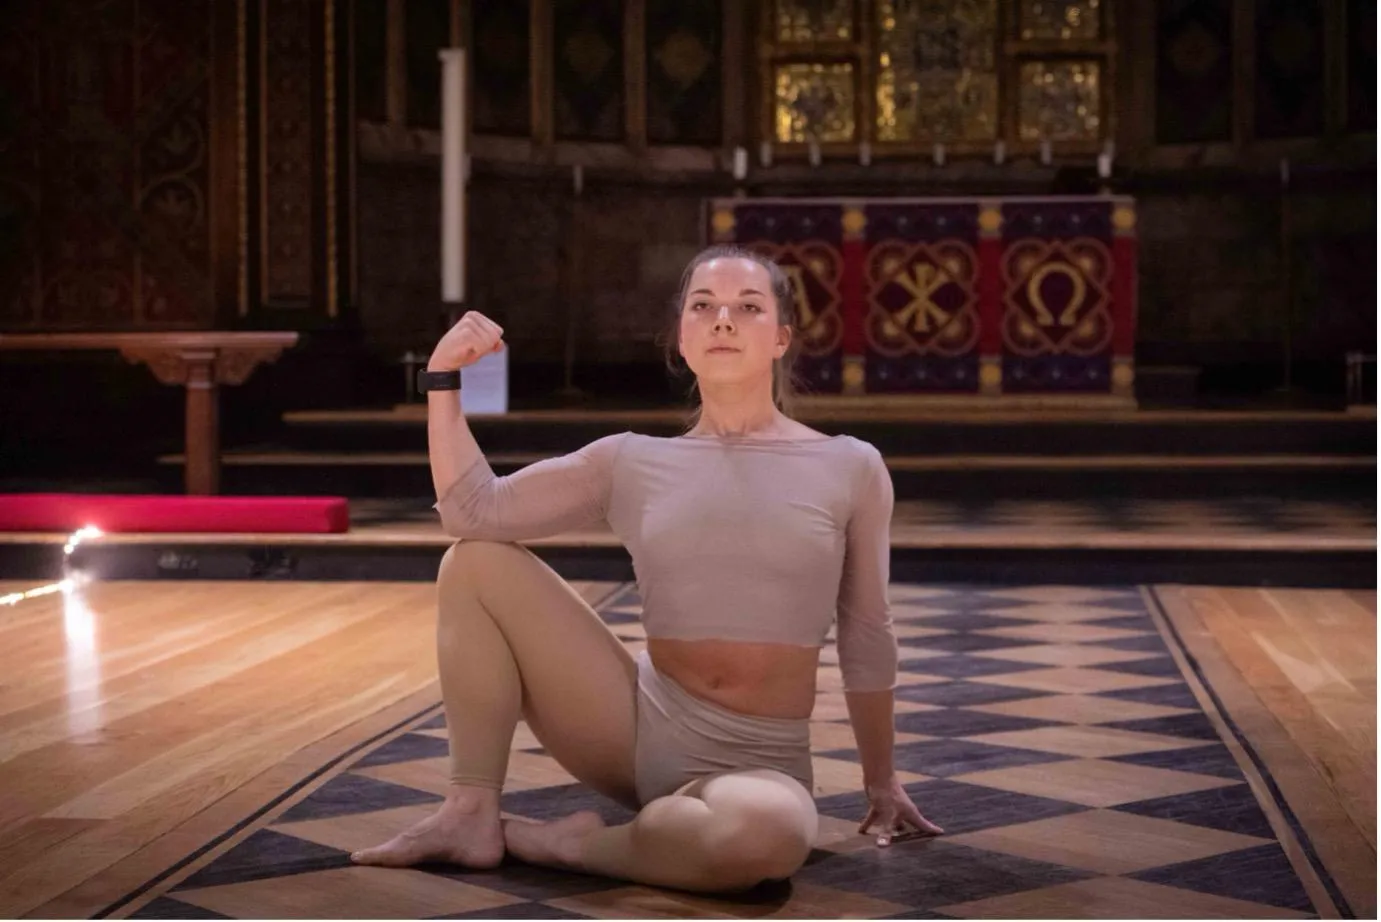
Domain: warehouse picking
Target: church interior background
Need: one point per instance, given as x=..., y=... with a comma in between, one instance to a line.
x=1096, y=276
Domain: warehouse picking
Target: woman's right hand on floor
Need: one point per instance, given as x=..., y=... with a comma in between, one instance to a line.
x=472, y=338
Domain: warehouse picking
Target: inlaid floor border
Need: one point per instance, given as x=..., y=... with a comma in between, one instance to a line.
x=1292, y=833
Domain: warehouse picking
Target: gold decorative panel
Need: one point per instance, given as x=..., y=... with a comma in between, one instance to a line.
x=1061, y=19
x=937, y=70
x=1060, y=100
x=814, y=20
x=815, y=100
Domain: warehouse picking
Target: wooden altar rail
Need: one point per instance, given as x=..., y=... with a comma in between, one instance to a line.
x=199, y=361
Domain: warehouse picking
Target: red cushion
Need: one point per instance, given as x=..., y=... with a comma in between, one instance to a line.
x=207, y=514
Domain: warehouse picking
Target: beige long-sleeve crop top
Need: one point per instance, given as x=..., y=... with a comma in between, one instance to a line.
x=731, y=538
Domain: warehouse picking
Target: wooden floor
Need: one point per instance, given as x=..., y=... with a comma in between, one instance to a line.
x=1298, y=669
x=127, y=708
x=138, y=719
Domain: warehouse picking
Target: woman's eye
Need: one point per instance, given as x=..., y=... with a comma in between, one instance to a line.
x=700, y=305
x=753, y=308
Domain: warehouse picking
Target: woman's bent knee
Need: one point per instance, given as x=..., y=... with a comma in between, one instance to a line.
x=464, y=559
x=767, y=839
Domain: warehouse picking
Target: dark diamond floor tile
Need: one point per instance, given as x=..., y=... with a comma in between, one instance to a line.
x=1204, y=760
x=1189, y=726
x=1152, y=666
x=919, y=914
x=1232, y=809
x=517, y=911
x=1260, y=875
x=958, y=666
x=970, y=602
x=618, y=616
x=1146, y=643
x=436, y=723
x=1129, y=601
x=946, y=757
x=925, y=875
x=1171, y=696
x=964, y=643
x=962, y=694
x=524, y=880
x=266, y=854
x=1125, y=623
x=347, y=794
x=168, y=908
x=406, y=748
x=974, y=621
x=627, y=598
x=953, y=722
x=555, y=802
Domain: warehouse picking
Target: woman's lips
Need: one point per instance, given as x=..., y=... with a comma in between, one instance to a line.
x=716, y=349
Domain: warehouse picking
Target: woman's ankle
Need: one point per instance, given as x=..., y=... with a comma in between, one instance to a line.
x=470, y=798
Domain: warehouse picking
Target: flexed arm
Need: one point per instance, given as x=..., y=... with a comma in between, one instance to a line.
x=542, y=499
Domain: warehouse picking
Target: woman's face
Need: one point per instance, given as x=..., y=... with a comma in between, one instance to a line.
x=730, y=331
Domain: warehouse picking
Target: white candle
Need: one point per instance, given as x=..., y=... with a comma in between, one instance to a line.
x=1045, y=151
x=765, y=153
x=1104, y=166
x=813, y=151
x=453, y=170
x=740, y=163
x=999, y=153
x=938, y=154
x=578, y=178
x=865, y=154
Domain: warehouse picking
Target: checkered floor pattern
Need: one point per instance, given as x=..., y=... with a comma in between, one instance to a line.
x=1048, y=729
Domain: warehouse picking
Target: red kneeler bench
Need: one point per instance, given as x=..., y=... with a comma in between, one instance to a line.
x=67, y=512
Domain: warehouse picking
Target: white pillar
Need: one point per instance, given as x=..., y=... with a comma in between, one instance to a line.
x=453, y=170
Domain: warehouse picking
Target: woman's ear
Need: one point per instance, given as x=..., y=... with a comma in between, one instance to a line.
x=783, y=340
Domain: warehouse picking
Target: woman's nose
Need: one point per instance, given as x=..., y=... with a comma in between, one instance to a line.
x=722, y=320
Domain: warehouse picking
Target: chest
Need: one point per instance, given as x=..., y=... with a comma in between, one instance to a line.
x=777, y=512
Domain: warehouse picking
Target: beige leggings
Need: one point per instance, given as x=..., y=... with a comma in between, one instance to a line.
x=515, y=641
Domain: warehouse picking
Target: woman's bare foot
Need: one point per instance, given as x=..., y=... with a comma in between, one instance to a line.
x=553, y=845
x=464, y=831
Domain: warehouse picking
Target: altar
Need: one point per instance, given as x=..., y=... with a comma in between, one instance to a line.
x=968, y=300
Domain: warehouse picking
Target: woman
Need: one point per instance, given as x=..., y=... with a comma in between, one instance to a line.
x=747, y=535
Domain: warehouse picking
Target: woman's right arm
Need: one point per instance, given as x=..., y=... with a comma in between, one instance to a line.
x=542, y=499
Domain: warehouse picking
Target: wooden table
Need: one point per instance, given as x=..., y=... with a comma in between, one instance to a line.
x=199, y=361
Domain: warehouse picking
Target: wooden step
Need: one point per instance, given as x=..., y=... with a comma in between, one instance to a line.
x=908, y=463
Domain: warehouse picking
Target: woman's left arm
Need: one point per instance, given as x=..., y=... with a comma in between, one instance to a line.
x=868, y=652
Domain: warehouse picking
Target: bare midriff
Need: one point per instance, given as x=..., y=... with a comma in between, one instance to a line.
x=760, y=679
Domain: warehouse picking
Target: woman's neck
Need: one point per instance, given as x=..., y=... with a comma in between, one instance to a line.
x=737, y=414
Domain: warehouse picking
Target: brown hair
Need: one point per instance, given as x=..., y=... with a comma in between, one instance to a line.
x=783, y=374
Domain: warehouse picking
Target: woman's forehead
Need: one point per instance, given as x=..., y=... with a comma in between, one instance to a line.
x=729, y=271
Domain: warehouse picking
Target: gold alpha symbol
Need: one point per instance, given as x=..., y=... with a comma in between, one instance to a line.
x=921, y=282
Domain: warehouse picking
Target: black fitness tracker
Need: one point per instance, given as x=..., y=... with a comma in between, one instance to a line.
x=437, y=381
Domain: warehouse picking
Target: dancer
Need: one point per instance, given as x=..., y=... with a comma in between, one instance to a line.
x=748, y=535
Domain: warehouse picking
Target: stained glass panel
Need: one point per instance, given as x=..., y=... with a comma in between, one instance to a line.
x=937, y=70
x=815, y=20
x=1060, y=100
x=815, y=100
x=1068, y=19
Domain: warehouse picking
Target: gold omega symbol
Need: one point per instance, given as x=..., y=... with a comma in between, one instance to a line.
x=1076, y=298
